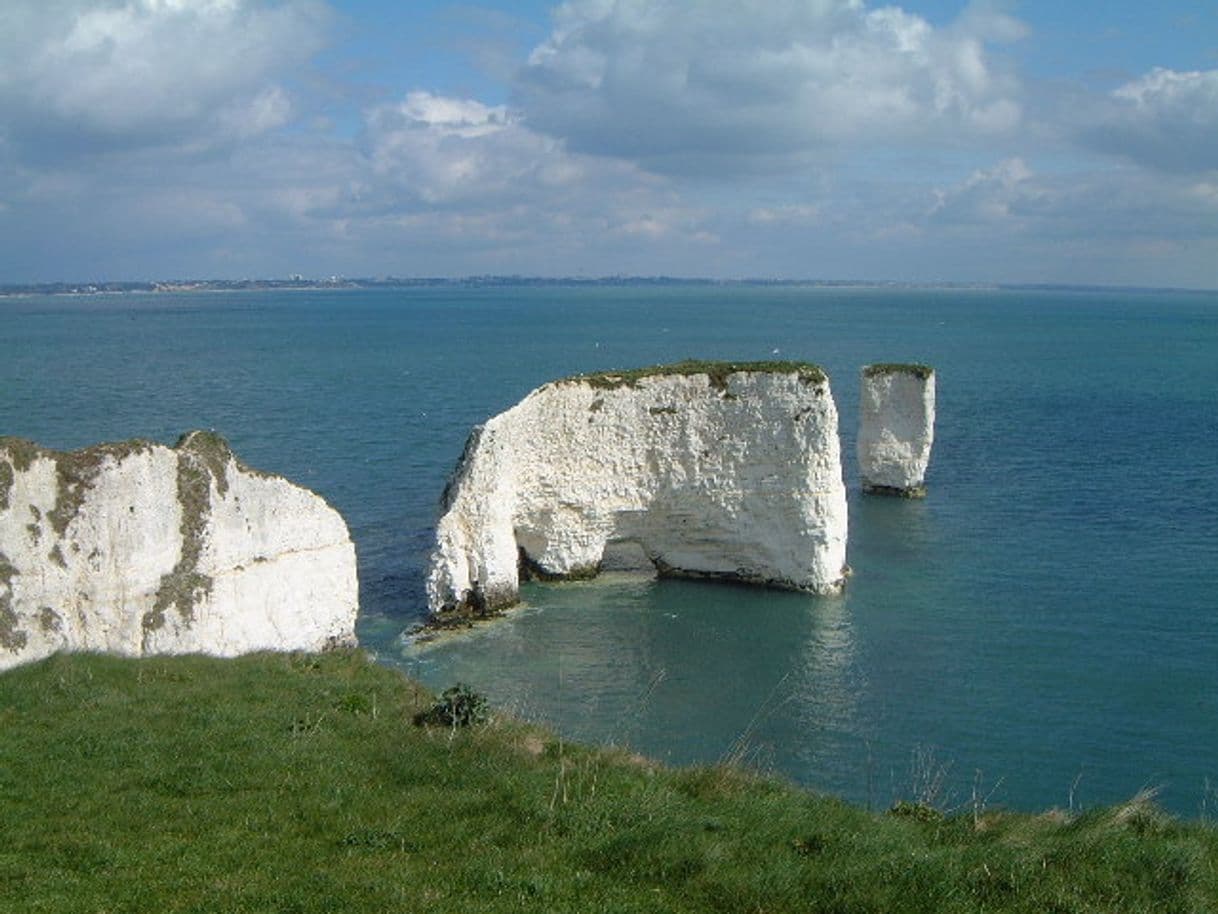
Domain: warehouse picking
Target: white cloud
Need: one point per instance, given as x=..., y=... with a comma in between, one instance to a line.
x=1165, y=119
x=715, y=84
x=450, y=116
x=445, y=151
x=798, y=138
x=461, y=172
x=265, y=111
x=1123, y=213
x=987, y=195
x=97, y=74
x=434, y=185
x=1015, y=220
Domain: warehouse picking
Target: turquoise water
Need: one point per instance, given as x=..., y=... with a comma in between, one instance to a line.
x=1048, y=616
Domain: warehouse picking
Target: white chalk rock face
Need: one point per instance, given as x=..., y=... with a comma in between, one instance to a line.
x=137, y=548
x=713, y=469
x=896, y=428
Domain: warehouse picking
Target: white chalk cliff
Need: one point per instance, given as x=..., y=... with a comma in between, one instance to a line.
x=713, y=469
x=896, y=428
x=137, y=549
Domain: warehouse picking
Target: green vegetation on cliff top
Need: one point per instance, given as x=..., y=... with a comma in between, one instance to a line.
x=916, y=369
x=716, y=371
x=298, y=783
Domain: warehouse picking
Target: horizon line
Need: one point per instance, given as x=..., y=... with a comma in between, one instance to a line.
x=339, y=282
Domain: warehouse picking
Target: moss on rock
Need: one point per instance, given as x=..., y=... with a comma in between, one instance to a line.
x=916, y=369
x=213, y=450
x=11, y=636
x=182, y=587
x=76, y=471
x=894, y=491
x=7, y=571
x=21, y=452
x=476, y=605
x=203, y=459
x=48, y=620
x=6, y=483
x=16, y=456
x=716, y=372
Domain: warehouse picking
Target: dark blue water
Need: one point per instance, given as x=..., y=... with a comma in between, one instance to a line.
x=1048, y=617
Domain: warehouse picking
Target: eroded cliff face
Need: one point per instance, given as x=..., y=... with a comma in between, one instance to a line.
x=896, y=428
x=137, y=548
x=727, y=471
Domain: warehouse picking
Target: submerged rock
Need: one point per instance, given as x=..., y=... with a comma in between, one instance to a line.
x=137, y=548
x=896, y=428
x=716, y=470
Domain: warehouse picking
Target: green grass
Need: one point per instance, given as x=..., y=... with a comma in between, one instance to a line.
x=716, y=371
x=916, y=369
x=299, y=784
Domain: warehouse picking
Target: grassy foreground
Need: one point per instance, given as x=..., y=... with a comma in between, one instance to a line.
x=299, y=784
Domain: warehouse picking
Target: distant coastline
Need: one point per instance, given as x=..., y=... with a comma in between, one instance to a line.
x=299, y=283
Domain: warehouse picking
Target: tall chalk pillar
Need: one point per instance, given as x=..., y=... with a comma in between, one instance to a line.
x=896, y=428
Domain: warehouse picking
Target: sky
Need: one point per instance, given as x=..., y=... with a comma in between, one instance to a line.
x=1009, y=142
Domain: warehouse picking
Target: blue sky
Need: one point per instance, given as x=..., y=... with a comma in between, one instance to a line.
x=932, y=140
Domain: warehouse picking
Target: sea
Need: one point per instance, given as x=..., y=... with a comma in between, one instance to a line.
x=1040, y=631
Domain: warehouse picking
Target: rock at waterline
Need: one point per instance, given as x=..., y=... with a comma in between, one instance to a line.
x=718, y=470
x=138, y=549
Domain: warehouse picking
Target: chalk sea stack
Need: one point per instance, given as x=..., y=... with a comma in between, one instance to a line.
x=137, y=548
x=896, y=428
x=711, y=469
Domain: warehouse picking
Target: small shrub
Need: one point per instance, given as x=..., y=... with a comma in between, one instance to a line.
x=459, y=706
x=919, y=812
x=809, y=846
